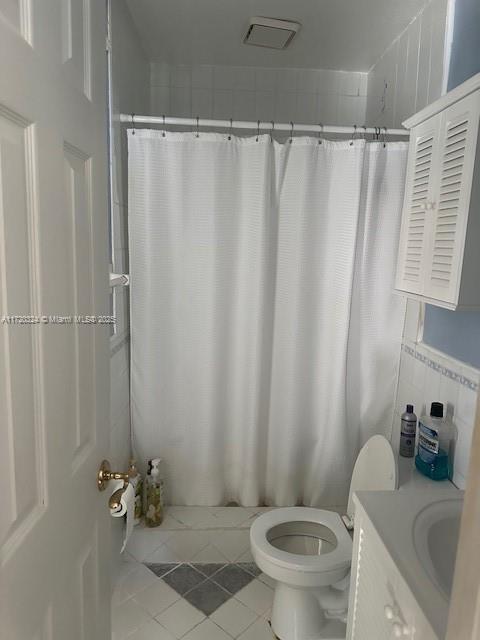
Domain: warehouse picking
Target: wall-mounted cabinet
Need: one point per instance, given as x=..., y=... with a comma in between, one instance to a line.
x=439, y=251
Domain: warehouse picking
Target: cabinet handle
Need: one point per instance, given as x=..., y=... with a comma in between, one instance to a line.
x=393, y=615
x=400, y=630
x=389, y=612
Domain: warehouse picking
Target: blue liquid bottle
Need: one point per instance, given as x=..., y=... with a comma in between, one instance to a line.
x=435, y=439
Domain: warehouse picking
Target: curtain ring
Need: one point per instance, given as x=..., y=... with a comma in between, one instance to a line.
x=384, y=137
x=198, y=127
x=354, y=134
x=320, y=131
x=291, y=131
x=164, y=132
x=133, y=124
x=377, y=133
x=258, y=130
x=231, y=127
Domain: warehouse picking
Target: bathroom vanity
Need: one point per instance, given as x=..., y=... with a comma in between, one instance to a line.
x=403, y=561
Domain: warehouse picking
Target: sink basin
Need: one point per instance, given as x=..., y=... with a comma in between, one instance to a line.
x=435, y=536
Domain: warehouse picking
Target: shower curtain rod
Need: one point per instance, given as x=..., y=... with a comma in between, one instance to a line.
x=258, y=126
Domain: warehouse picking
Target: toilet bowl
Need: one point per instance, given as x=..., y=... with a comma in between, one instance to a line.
x=308, y=552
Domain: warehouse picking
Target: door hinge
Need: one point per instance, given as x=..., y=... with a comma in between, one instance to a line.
x=118, y=279
x=108, y=44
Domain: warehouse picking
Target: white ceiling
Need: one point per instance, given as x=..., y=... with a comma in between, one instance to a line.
x=347, y=35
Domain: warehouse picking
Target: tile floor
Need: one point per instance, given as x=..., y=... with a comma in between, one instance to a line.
x=192, y=578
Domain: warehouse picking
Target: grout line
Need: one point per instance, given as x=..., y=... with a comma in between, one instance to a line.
x=263, y=616
x=221, y=566
x=177, y=564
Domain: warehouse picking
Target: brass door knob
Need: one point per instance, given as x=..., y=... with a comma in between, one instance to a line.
x=105, y=474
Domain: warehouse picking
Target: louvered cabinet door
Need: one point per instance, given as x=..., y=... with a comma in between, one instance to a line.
x=415, y=233
x=451, y=200
x=373, y=590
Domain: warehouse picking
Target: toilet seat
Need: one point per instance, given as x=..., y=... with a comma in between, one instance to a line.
x=312, y=590
x=339, y=559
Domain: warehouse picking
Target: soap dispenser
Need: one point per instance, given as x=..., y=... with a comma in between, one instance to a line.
x=136, y=481
x=154, y=498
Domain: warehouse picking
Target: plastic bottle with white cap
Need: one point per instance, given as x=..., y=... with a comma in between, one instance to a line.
x=408, y=431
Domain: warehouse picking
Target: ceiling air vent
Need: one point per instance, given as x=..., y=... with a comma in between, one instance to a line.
x=271, y=33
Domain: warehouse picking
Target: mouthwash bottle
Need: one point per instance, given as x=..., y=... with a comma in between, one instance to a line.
x=435, y=444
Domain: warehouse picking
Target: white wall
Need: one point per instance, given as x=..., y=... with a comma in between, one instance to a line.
x=409, y=74
x=130, y=93
x=307, y=96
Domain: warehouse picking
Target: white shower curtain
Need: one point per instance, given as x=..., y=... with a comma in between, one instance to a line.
x=265, y=336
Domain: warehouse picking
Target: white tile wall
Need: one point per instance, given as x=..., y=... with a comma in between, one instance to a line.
x=120, y=407
x=409, y=75
x=306, y=96
x=130, y=88
x=427, y=375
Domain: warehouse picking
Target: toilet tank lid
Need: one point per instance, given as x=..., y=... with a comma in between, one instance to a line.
x=375, y=470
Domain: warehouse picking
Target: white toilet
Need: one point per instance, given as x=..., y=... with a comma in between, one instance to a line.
x=309, y=552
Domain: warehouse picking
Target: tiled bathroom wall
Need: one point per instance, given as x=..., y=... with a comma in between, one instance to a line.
x=426, y=375
x=409, y=75
x=307, y=96
x=130, y=74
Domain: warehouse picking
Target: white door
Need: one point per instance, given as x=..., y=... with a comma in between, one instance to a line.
x=54, y=378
